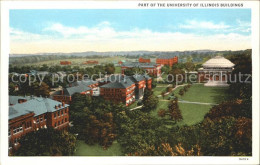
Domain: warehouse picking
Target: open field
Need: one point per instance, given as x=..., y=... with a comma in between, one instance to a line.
x=79, y=61
x=84, y=149
x=193, y=113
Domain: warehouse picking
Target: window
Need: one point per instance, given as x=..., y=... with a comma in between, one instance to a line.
x=59, y=113
x=14, y=130
x=37, y=120
x=21, y=128
x=54, y=115
x=9, y=132
x=62, y=112
x=65, y=110
x=55, y=124
x=62, y=121
x=65, y=119
x=41, y=119
x=45, y=117
x=59, y=123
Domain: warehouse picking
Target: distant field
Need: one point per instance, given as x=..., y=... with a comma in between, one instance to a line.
x=79, y=61
x=83, y=149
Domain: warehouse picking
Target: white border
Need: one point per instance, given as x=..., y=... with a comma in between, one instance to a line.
x=6, y=5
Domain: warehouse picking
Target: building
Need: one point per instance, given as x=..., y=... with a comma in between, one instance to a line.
x=65, y=63
x=151, y=68
x=90, y=62
x=84, y=87
x=125, y=89
x=215, y=71
x=143, y=60
x=167, y=60
x=27, y=114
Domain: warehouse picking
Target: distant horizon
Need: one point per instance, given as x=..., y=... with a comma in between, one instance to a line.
x=42, y=53
x=78, y=30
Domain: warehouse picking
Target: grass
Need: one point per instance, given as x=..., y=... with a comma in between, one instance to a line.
x=200, y=93
x=193, y=113
x=79, y=61
x=118, y=69
x=84, y=149
x=159, y=88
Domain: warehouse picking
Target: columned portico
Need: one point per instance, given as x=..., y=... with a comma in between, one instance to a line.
x=215, y=72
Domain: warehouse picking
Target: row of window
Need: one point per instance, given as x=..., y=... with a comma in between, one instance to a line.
x=59, y=123
x=112, y=89
x=16, y=130
x=60, y=113
x=28, y=124
x=40, y=119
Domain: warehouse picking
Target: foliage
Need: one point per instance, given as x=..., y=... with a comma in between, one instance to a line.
x=150, y=101
x=132, y=71
x=47, y=142
x=94, y=119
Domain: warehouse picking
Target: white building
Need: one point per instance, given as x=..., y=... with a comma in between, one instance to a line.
x=215, y=71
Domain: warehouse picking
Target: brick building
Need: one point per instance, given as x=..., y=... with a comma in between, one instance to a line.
x=27, y=114
x=167, y=60
x=143, y=60
x=65, y=63
x=125, y=89
x=151, y=68
x=90, y=62
x=84, y=87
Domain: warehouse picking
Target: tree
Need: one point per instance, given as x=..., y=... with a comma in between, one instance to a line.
x=162, y=113
x=149, y=101
x=181, y=92
x=110, y=68
x=47, y=142
x=163, y=93
x=174, y=111
x=189, y=66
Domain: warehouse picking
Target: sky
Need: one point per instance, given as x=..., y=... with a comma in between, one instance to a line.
x=53, y=31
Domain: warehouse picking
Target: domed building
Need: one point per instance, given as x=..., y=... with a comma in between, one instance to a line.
x=215, y=71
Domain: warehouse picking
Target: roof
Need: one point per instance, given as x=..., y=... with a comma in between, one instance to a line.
x=14, y=99
x=118, y=81
x=37, y=105
x=136, y=78
x=84, y=82
x=76, y=89
x=139, y=65
x=218, y=62
x=166, y=56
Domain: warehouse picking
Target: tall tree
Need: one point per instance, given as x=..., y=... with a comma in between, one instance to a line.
x=150, y=101
x=47, y=142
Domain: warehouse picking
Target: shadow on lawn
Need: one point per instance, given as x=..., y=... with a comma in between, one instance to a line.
x=220, y=94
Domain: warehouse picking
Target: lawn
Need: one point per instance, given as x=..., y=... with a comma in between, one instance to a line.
x=159, y=88
x=193, y=113
x=79, y=61
x=84, y=149
x=200, y=93
x=118, y=69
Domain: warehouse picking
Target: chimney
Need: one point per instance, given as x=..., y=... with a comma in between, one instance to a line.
x=56, y=107
x=63, y=104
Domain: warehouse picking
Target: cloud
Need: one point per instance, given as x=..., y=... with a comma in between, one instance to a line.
x=193, y=24
x=103, y=37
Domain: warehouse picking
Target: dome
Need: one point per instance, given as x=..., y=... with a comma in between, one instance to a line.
x=218, y=62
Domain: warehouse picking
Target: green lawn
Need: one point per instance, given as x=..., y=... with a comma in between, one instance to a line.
x=200, y=93
x=193, y=113
x=84, y=149
x=118, y=69
x=159, y=88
